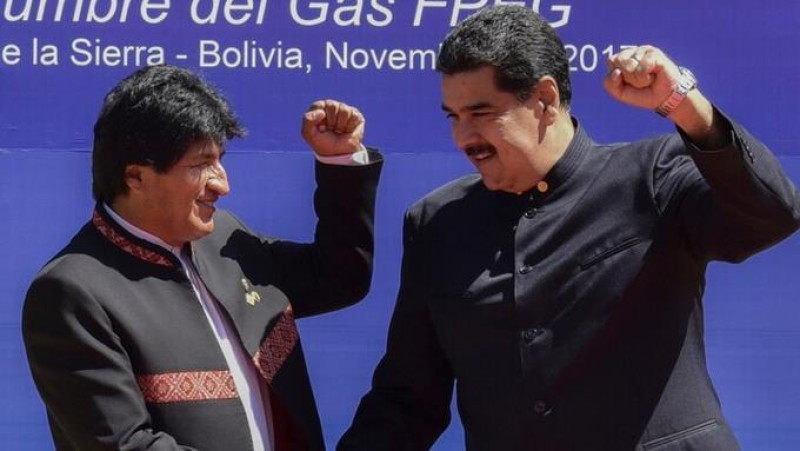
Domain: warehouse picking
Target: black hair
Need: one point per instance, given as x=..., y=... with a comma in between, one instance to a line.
x=153, y=117
x=516, y=41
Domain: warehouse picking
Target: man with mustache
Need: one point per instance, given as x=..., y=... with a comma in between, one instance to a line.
x=560, y=290
x=167, y=324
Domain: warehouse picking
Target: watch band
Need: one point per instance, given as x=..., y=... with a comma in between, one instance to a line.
x=686, y=83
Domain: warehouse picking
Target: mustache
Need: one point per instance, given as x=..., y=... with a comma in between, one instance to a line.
x=478, y=149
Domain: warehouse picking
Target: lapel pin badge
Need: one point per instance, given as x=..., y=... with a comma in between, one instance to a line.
x=250, y=296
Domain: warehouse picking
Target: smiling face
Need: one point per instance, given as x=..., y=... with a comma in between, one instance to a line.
x=178, y=205
x=498, y=132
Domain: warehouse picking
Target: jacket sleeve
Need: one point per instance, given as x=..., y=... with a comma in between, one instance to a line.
x=731, y=202
x=82, y=372
x=336, y=269
x=408, y=406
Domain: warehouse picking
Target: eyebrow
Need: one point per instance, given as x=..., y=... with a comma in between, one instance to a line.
x=474, y=107
x=207, y=152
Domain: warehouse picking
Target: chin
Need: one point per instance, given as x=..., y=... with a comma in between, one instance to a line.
x=203, y=228
x=208, y=227
x=491, y=185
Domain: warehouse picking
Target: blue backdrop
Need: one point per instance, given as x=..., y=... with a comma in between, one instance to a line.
x=271, y=59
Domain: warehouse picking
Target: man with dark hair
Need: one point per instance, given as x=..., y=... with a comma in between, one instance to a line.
x=165, y=323
x=561, y=288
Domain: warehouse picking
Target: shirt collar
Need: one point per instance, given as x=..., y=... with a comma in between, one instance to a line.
x=139, y=233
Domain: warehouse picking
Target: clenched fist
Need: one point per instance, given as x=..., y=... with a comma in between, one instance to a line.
x=333, y=128
x=641, y=76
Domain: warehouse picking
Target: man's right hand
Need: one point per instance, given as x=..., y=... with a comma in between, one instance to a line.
x=333, y=128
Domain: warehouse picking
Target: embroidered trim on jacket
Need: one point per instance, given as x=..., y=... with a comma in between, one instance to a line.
x=187, y=386
x=127, y=245
x=275, y=349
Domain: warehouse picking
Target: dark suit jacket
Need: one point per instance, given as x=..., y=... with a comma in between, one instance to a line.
x=122, y=353
x=571, y=317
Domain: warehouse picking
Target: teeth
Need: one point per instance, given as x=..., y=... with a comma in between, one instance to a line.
x=482, y=156
x=480, y=153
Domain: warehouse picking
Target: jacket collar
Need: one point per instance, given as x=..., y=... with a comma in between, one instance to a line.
x=569, y=162
x=127, y=242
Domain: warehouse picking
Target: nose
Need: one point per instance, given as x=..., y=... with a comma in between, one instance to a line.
x=464, y=134
x=217, y=180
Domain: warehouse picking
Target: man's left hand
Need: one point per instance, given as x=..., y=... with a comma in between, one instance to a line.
x=645, y=77
x=333, y=128
x=641, y=76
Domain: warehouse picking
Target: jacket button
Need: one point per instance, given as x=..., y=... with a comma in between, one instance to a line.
x=540, y=407
x=529, y=335
x=525, y=269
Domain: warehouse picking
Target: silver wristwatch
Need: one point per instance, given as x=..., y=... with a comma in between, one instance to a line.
x=686, y=83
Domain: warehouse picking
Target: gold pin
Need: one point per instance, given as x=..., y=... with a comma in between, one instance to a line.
x=542, y=186
x=252, y=298
x=250, y=295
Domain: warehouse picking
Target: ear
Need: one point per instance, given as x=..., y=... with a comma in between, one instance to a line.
x=548, y=103
x=135, y=177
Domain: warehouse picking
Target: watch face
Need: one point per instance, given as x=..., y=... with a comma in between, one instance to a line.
x=687, y=81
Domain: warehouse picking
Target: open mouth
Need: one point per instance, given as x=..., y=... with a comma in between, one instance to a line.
x=207, y=204
x=480, y=153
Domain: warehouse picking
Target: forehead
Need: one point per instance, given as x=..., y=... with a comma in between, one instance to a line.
x=202, y=150
x=464, y=89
